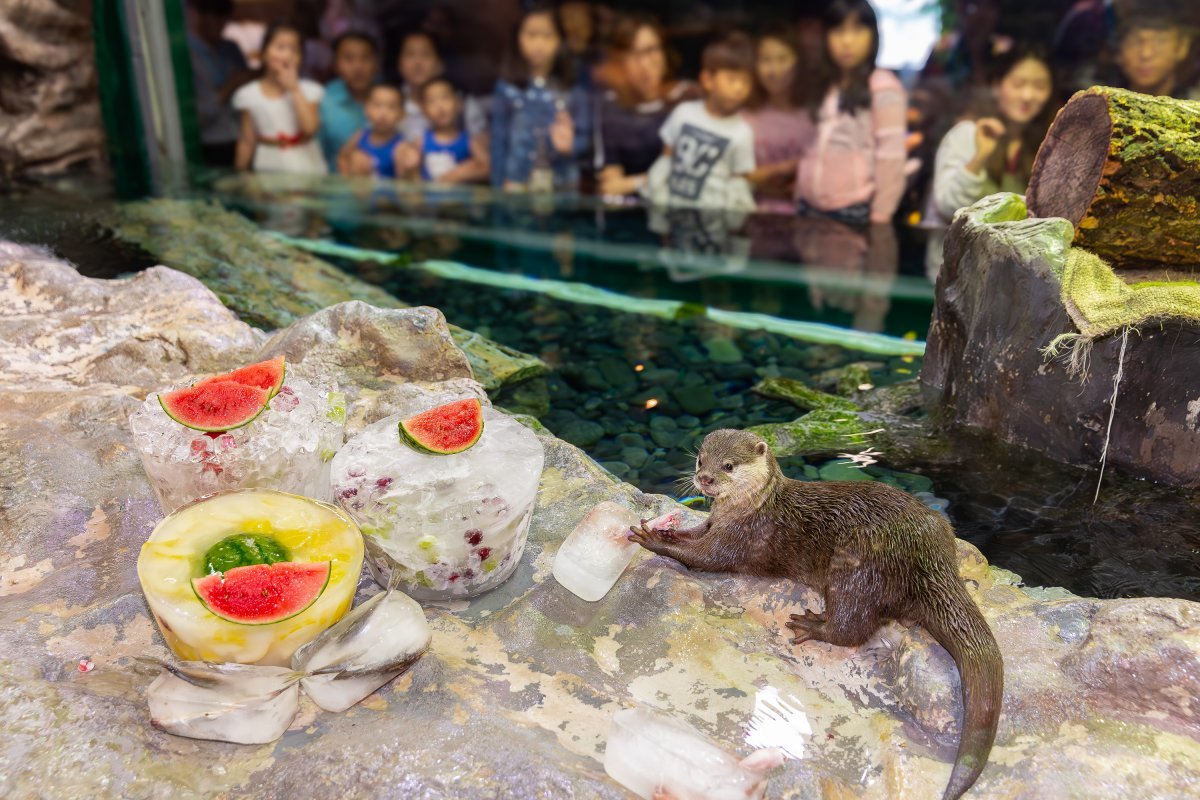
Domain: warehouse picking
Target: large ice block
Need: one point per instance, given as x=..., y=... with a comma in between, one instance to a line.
x=654, y=755
x=453, y=525
x=289, y=448
x=595, y=554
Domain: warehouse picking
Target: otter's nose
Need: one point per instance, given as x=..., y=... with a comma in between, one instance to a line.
x=704, y=479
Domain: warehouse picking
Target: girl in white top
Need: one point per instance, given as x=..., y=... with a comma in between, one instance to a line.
x=279, y=111
x=994, y=151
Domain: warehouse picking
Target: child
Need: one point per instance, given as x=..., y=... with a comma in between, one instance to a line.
x=420, y=62
x=356, y=62
x=540, y=122
x=280, y=114
x=783, y=128
x=378, y=149
x=708, y=147
x=854, y=172
x=448, y=153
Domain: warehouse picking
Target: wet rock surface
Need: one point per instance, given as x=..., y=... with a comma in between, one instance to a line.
x=999, y=304
x=515, y=696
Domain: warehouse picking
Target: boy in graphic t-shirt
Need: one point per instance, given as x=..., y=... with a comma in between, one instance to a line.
x=708, y=146
x=449, y=154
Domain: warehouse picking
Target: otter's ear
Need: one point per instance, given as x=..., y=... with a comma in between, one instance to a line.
x=760, y=448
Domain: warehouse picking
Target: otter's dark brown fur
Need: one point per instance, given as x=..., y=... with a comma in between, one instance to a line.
x=874, y=552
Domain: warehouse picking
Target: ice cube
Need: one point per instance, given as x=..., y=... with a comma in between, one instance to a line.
x=239, y=703
x=368, y=648
x=289, y=448
x=453, y=525
x=653, y=755
x=595, y=554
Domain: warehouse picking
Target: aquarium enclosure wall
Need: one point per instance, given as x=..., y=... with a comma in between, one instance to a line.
x=598, y=399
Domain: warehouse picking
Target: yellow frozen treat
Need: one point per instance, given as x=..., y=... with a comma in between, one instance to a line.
x=250, y=575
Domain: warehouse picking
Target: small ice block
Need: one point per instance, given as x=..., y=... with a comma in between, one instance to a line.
x=652, y=754
x=596, y=553
x=239, y=703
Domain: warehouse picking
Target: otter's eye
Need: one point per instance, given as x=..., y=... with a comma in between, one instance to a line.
x=727, y=466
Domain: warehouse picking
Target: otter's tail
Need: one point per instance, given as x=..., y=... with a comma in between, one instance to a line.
x=954, y=620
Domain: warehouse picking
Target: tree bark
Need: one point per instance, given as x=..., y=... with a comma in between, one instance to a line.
x=1124, y=169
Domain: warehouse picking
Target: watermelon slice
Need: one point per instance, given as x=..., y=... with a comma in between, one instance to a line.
x=263, y=375
x=263, y=593
x=445, y=430
x=214, y=406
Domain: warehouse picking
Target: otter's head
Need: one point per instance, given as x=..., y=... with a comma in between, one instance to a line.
x=733, y=464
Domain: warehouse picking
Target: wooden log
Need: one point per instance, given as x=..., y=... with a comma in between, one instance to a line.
x=1124, y=168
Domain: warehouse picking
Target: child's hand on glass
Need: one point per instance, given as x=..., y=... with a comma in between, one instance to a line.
x=562, y=133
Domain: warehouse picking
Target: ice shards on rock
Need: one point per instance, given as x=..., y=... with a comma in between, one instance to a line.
x=239, y=703
x=594, y=555
x=657, y=756
x=368, y=648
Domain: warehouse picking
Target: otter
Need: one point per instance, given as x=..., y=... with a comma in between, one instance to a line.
x=874, y=553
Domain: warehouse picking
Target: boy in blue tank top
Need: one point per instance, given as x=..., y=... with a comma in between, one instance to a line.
x=379, y=148
x=448, y=153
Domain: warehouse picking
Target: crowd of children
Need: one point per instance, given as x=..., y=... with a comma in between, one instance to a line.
x=768, y=123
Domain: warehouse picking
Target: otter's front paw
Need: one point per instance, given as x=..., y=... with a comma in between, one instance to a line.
x=810, y=625
x=650, y=539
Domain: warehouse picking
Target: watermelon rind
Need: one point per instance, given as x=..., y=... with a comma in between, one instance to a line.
x=241, y=374
x=413, y=438
x=176, y=413
x=296, y=613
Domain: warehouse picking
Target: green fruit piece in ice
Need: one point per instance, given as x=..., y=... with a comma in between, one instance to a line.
x=263, y=593
x=445, y=430
x=215, y=406
x=243, y=550
x=263, y=375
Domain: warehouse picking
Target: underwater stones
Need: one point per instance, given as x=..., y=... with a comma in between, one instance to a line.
x=722, y=350
x=697, y=399
x=581, y=432
x=999, y=304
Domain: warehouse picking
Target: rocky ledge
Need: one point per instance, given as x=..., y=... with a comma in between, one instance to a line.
x=1000, y=305
x=515, y=696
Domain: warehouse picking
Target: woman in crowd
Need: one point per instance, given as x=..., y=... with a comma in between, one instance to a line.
x=993, y=151
x=854, y=171
x=540, y=119
x=778, y=115
x=280, y=114
x=639, y=99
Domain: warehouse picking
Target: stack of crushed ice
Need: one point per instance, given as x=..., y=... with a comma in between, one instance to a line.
x=453, y=525
x=289, y=448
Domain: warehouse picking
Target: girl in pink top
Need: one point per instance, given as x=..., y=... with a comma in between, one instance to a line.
x=855, y=169
x=778, y=115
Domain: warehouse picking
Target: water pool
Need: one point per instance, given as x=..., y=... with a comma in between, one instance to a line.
x=655, y=335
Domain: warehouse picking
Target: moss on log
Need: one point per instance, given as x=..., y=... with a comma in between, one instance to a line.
x=1124, y=169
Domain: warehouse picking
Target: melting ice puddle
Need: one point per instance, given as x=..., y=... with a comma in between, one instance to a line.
x=778, y=722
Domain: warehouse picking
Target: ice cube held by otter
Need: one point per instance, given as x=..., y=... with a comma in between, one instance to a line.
x=239, y=703
x=596, y=553
x=368, y=648
x=657, y=756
